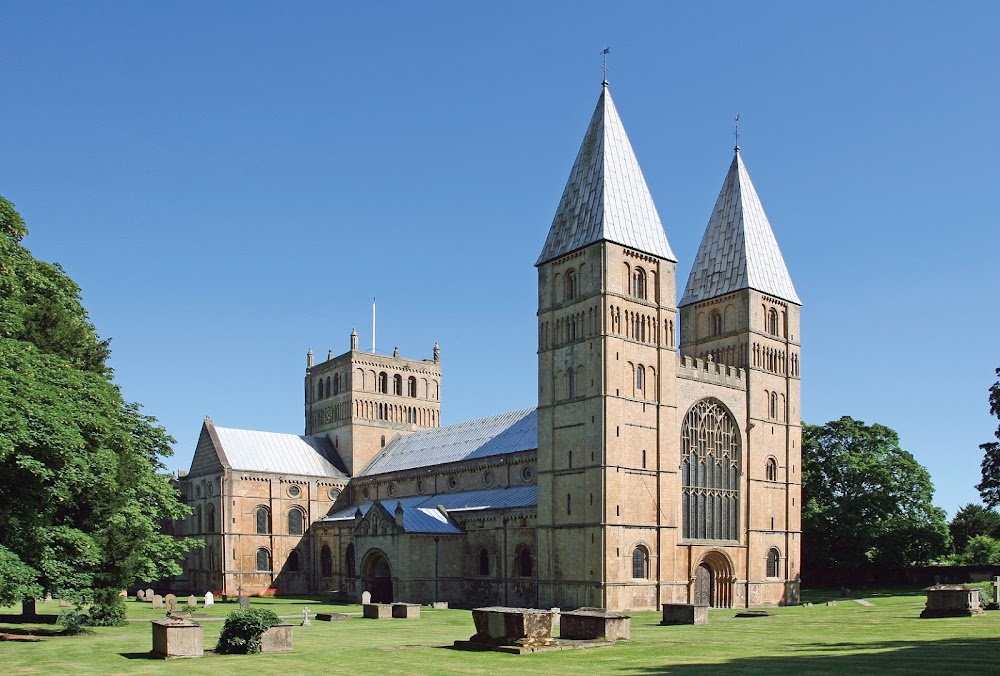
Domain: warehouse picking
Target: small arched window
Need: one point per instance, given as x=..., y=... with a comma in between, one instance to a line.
x=522, y=562
x=383, y=441
x=484, y=562
x=397, y=385
x=319, y=389
x=771, y=469
x=411, y=387
x=716, y=323
x=571, y=377
x=383, y=382
x=640, y=562
x=211, y=519
x=773, y=405
x=325, y=562
x=639, y=283
x=263, y=521
x=336, y=383
x=263, y=560
x=572, y=288
x=294, y=563
x=349, y=561
x=640, y=380
x=198, y=520
x=295, y=519
x=773, y=559
x=772, y=322
x=327, y=389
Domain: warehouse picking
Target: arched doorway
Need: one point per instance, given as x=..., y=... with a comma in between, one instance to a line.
x=377, y=575
x=713, y=581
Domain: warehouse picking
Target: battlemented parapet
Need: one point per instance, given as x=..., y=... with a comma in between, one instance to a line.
x=711, y=372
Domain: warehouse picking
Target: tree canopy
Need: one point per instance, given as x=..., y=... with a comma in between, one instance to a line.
x=865, y=500
x=84, y=490
x=989, y=487
x=970, y=521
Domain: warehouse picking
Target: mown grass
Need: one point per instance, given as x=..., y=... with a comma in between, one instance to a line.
x=847, y=638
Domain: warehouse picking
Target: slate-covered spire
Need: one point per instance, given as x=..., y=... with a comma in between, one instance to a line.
x=738, y=250
x=606, y=197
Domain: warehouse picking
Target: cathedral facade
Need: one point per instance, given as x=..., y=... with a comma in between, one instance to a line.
x=661, y=464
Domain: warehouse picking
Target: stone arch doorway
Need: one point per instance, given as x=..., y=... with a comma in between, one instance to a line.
x=712, y=581
x=377, y=575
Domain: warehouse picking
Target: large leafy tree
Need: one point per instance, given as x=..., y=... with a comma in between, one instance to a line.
x=973, y=520
x=989, y=487
x=82, y=485
x=865, y=500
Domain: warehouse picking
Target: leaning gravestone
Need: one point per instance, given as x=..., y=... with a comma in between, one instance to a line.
x=366, y=597
x=140, y=595
x=157, y=601
x=209, y=599
x=193, y=601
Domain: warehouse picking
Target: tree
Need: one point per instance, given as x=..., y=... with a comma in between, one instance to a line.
x=982, y=550
x=865, y=500
x=970, y=521
x=989, y=487
x=84, y=489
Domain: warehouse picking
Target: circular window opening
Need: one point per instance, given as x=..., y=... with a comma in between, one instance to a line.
x=527, y=473
x=452, y=483
x=294, y=491
x=420, y=486
x=489, y=478
x=334, y=493
x=366, y=492
x=197, y=491
x=392, y=489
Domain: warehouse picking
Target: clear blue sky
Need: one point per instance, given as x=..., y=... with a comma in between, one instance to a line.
x=232, y=183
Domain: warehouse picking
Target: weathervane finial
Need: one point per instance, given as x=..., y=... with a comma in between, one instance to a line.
x=737, y=133
x=604, y=65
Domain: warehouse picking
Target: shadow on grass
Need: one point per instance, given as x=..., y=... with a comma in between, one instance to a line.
x=141, y=656
x=955, y=655
x=40, y=631
x=30, y=619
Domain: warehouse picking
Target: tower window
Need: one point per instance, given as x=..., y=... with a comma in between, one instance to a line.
x=640, y=563
x=572, y=288
x=336, y=383
x=571, y=376
x=771, y=470
x=411, y=387
x=640, y=380
x=773, y=405
x=639, y=284
x=263, y=560
x=383, y=383
x=716, y=323
x=319, y=389
x=397, y=385
x=772, y=322
x=263, y=517
x=773, y=559
x=211, y=519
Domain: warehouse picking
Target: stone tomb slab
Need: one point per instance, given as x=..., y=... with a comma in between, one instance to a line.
x=406, y=611
x=331, y=617
x=177, y=638
x=505, y=626
x=377, y=611
x=952, y=600
x=277, y=639
x=595, y=624
x=684, y=613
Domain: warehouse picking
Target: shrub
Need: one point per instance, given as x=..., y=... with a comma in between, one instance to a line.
x=108, y=609
x=242, y=631
x=73, y=622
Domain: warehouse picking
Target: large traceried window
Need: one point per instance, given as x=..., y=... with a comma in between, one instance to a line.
x=710, y=452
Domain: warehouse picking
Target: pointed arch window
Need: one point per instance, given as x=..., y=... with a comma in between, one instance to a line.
x=295, y=521
x=710, y=452
x=263, y=518
x=325, y=562
x=263, y=560
x=640, y=563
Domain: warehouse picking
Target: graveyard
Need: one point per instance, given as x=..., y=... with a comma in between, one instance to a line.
x=828, y=634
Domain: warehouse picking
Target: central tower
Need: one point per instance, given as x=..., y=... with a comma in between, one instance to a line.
x=606, y=366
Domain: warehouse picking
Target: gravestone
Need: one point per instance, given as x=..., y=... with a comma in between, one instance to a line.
x=149, y=594
x=497, y=625
x=684, y=613
x=193, y=601
x=440, y=605
x=595, y=624
x=209, y=599
x=140, y=595
x=171, y=603
x=366, y=597
x=995, y=603
x=952, y=600
x=831, y=603
x=157, y=601
x=244, y=602
x=48, y=597
x=168, y=598
x=305, y=618
x=277, y=639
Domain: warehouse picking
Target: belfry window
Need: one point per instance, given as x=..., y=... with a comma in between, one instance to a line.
x=772, y=322
x=383, y=383
x=397, y=385
x=336, y=383
x=639, y=283
x=710, y=451
x=572, y=288
x=640, y=380
x=571, y=376
x=411, y=387
x=771, y=469
x=716, y=323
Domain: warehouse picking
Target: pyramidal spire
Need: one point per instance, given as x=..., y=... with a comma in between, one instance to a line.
x=738, y=250
x=606, y=197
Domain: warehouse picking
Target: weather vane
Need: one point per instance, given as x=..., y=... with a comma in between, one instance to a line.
x=604, y=63
x=737, y=132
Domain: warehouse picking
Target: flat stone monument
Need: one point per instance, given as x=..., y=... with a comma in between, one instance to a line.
x=157, y=601
x=440, y=605
x=952, y=600
x=406, y=611
x=684, y=613
x=209, y=599
x=366, y=597
x=512, y=626
x=177, y=638
x=277, y=639
x=331, y=617
x=377, y=611
x=595, y=624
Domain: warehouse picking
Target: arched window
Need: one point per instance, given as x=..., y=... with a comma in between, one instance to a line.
x=773, y=559
x=263, y=560
x=328, y=391
x=397, y=385
x=710, y=452
x=198, y=520
x=571, y=285
x=639, y=283
x=319, y=389
x=295, y=519
x=571, y=376
x=771, y=469
x=773, y=405
x=640, y=380
x=484, y=562
x=411, y=387
x=325, y=562
x=522, y=562
x=772, y=322
x=349, y=561
x=336, y=383
x=640, y=562
x=212, y=563
x=211, y=519
x=383, y=441
x=383, y=383
x=716, y=323
x=263, y=521
x=294, y=563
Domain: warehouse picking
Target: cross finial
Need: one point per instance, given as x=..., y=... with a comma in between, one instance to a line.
x=604, y=65
x=736, y=121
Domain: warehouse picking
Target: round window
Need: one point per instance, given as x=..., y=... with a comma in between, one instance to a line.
x=420, y=486
x=334, y=493
x=527, y=473
x=294, y=491
x=452, y=483
x=489, y=478
x=392, y=489
x=366, y=492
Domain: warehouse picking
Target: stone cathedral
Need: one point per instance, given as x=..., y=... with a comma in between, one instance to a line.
x=661, y=464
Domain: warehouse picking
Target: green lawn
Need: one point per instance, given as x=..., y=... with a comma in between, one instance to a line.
x=848, y=638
